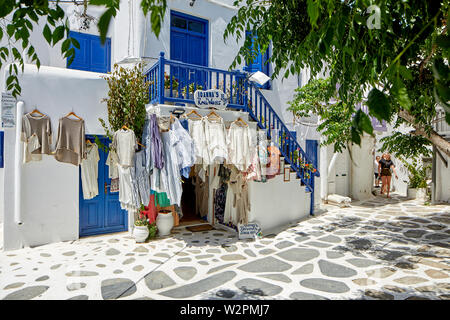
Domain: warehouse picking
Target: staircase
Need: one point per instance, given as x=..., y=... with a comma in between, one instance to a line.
x=176, y=82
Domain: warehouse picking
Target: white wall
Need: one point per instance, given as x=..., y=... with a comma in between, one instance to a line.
x=50, y=191
x=362, y=169
x=443, y=179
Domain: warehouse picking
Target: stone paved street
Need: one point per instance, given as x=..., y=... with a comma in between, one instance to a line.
x=378, y=249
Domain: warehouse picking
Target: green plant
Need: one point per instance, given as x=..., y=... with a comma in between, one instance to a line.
x=127, y=97
x=175, y=82
x=152, y=229
x=141, y=221
x=191, y=88
x=417, y=173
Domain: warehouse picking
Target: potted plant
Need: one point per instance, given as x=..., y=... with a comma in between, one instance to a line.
x=417, y=174
x=152, y=229
x=141, y=229
x=175, y=84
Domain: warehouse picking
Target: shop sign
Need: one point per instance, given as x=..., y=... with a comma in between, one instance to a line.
x=8, y=110
x=249, y=231
x=212, y=98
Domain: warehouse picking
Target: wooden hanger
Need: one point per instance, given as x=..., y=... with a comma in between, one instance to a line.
x=241, y=121
x=36, y=111
x=141, y=144
x=213, y=113
x=71, y=113
x=125, y=127
x=195, y=113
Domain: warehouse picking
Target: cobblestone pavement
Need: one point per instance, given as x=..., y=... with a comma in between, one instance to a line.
x=378, y=249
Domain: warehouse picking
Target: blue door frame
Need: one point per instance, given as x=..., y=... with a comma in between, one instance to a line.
x=312, y=147
x=101, y=214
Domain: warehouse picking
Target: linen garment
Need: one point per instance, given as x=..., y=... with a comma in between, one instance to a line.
x=170, y=177
x=273, y=168
x=184, y=147
x=112, y=161
x=197, y=132
x=125, y=144
x=71, y=143
x=237, y=204
x=37, y=135
x=239, y=146
x=216, y=140
x=89, y=172
x=262, y=153
x=126, y=193
x=142, y=177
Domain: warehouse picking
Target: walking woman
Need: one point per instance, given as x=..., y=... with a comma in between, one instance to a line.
x=384, y=169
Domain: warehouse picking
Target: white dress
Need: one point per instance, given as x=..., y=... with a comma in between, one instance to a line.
x=89, y=172
x=125, y=144
x=197, y=132
x=170, y=174
x=216, y=140
x=239, y=146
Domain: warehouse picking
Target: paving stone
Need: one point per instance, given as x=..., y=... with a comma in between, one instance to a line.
x=299, y=254
x=213, y=251
x=361, y=263
x=141, y=249
x=218, y=268
x=184, y=259
x=117, y=271
x=364, y=282
x=330, y=238
x=226, y=294
x=318, y=244
x=162, y=255
x=325, y=285
x=56, y=266
x=417, y=298
x=381, y=273
x=390, y=255
x=410, y=280
x=406, y=265
x=79, y=297
x=42, y=278
x=277, y=277
x=335, y=270
x=129, y=260
x=394, y=288
x=76, y=286
x=201, y=286
x=112, y=252
x=14, y=285
x=306, y=269
x=334, y=255
x=437, y=236
x=230, y=248
x=302, y=238
x=27, y=293
x=284, y=244
x=230, y=257
x=427, y=288
x=185, y=273
x=414, y=233
x=157, y=280
x=69, y=253
x=436, y=274
x=306, y=296
x=266, y=251
x=117, y=288
x=436, y=226
x=445, y=296
x=138, y=268
x=101, y=265
x=378, y=294
x=113, y=240
x=258, y=287
x=81, y=273
x=249, y=253
x=155, y=261
x=359, y=244
x=268, y=264
x=45, y=255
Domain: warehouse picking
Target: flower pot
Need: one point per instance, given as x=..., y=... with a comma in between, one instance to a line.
x=417, y=193
x=140, y=233
x=164, y=222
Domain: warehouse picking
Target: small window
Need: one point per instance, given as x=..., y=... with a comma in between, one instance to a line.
x=179, y=22
x=196, y=26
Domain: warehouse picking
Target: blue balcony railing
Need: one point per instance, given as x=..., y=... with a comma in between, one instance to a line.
x=176, y=82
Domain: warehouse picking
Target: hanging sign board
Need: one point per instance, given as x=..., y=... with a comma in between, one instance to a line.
x=8, y=110
x=212, y=98
x=249, y=231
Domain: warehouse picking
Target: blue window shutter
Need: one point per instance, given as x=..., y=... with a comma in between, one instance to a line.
x=2, y=149
x=259, y=63
x=92, y=56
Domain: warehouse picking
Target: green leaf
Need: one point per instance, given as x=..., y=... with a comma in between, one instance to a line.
x=65, y=45
x=103, y=24
x=379, y=105
x=75, y=43
x=400, y=93
x=440, y=70
x=58, y=34
x=356, y=138
x=313, y=12
x=443, y=41
x=6, y=6
x=447, y=117
x=47, y=34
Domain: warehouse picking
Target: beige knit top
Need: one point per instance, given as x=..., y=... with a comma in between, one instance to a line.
x=71, y=143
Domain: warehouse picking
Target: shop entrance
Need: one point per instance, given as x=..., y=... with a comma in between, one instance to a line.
x=193, y=201
x=101, y=214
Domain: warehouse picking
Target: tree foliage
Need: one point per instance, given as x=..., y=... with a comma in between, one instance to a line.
x=404, y=62
x=18, y=19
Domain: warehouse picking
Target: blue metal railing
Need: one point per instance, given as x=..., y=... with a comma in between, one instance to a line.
x=172, y=81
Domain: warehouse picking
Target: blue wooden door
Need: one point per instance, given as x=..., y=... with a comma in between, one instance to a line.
x=102, y=214
x=92, y=55
x=189, y=44
x=312, y=147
